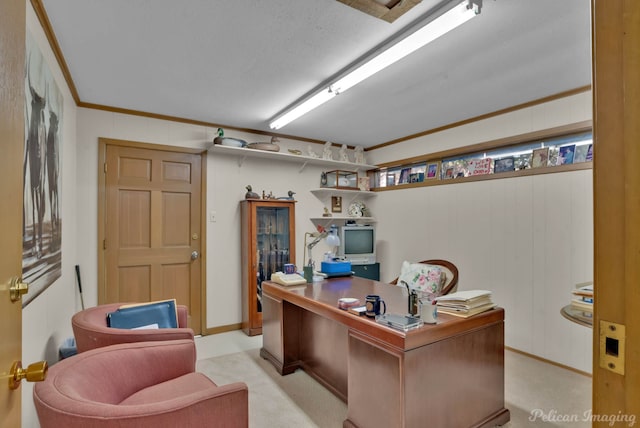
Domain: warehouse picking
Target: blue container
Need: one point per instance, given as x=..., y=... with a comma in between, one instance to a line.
x=336, y=267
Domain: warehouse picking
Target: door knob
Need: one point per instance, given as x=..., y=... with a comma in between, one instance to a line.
x=36, y=372
x=17, y=288
x=195, y=255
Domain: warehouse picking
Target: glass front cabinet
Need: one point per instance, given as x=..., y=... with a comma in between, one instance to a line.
x=268, y=242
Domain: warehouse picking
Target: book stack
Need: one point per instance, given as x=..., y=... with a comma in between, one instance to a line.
x=583, y=299
x=465, y=303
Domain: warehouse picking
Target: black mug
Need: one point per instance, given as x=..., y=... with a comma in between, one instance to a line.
x=372, y=305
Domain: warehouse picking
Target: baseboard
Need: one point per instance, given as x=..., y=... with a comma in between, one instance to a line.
x=222, y=329
x=544, y=360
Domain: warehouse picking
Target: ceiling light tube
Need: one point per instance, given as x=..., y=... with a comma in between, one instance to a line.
x=434, y=29
x=446, y=22
x=305, y=107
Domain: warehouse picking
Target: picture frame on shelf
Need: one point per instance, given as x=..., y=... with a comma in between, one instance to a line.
x=336, y=204
x=540, y=157
x=391, y=179
x=565, y=154
x=404, y=175
x=581, y=152
x=364, y=184
x=448, y=173
x=433, y=171
x=504, y=165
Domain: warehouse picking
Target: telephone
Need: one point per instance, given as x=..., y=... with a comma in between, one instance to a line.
x=288, y=278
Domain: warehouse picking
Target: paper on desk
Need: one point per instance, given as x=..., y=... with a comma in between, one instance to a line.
x=463, y=296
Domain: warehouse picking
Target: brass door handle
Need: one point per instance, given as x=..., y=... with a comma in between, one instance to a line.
x=36, y=372
x=17, y=288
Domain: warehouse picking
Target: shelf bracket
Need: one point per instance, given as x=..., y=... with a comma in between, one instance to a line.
x=241, y=160
x=303, y=166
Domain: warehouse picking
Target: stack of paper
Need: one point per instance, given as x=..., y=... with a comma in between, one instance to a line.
x=465, y=303
x=583, y=298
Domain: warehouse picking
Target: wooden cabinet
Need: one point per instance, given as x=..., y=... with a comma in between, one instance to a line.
x=268, y=242
x=371, y=271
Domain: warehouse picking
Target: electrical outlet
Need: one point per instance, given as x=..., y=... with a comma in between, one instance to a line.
x=212, y=216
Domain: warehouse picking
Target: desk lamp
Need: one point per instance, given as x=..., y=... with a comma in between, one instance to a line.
x=331, y=238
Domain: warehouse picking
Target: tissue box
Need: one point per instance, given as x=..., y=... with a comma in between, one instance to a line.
x=336, y=267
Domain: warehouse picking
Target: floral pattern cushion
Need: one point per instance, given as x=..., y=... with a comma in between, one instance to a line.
x=428, y=279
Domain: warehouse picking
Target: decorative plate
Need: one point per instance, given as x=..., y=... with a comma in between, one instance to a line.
x=355, y=209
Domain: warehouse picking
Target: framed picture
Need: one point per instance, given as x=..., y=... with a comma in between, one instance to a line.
x=565, y=155
x=391, y=179
x=414, y=177
x=363, y=183
x=504, y=165
x=540, y=157
x=404, y=175
x=449, y=173
x=580, y=154
x=432, y=170
x=336, y=204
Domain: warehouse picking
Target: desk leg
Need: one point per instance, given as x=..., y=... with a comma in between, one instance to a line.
x=280, y=346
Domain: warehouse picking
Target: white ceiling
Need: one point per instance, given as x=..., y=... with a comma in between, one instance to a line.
x=240, y=62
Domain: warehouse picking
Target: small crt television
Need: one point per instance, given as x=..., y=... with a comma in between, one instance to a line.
x=358, y=244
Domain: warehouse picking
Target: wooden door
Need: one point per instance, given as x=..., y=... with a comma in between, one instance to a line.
x=616, y=123
x=152, y=223
x=12, y=52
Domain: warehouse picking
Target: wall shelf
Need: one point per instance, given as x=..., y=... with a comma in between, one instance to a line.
x=328, y=191
x=342, y=219
x=242, y=153
x=324, y=194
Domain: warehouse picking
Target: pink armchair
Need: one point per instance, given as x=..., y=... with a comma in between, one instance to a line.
x=90, y=329
x=146, y=384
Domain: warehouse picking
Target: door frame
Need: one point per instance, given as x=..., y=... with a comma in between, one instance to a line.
x=616, y=189
x=12, y=113
x=102, y=195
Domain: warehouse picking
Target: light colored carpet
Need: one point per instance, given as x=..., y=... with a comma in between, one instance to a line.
x=292, y=401
x=296, y=400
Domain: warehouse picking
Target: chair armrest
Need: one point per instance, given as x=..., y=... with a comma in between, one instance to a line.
x=223, y=406
x=90, y=329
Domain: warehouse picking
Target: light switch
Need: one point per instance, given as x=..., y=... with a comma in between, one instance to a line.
x=212, y=216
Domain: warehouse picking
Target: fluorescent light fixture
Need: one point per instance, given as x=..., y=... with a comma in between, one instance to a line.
x=313, y=102
x=446, y=22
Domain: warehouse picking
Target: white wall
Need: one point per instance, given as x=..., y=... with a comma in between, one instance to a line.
x=226, y=181
x=46, y=319
x=528, y=239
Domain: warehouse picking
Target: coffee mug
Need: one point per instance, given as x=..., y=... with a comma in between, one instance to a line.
x=428, y=311
x=373, y=303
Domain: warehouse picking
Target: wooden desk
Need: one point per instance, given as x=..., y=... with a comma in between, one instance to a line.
x=450, y=374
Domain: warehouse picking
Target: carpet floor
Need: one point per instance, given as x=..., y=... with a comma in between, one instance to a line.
x=537, y=394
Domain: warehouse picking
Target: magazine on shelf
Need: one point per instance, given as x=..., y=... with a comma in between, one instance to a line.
x=582, y=305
